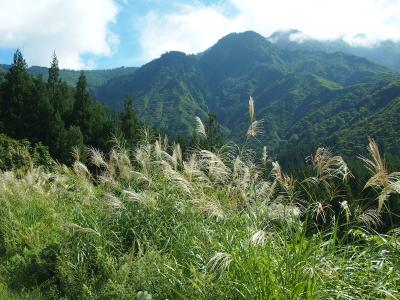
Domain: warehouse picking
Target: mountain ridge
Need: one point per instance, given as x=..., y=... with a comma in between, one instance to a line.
x=289, y=86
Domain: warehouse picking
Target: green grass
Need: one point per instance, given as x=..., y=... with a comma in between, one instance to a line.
x=214, y=226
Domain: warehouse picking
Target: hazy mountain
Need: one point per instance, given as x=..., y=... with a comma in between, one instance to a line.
x=385, y=53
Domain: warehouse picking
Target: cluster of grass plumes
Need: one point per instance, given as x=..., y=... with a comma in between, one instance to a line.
x=153, y=222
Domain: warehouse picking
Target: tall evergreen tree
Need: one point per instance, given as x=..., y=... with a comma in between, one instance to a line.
x=53, y=81
x=215, y=137
x=81, y=114
x=54, y=78
x=16, y=91
x=130, y=124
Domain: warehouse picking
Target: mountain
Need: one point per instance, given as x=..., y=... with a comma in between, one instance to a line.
x=305, y=98
x=95, y=78
x=385, y=53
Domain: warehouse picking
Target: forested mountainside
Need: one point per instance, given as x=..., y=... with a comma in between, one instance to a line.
x=305, y=98
x=385, y=53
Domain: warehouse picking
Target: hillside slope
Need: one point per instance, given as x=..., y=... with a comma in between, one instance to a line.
x=305, y=98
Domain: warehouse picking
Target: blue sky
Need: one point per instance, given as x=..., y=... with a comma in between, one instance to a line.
x=111, y=33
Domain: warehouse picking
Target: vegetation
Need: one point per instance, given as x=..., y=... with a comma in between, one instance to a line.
x=121, y=213
x=95, y=78
x=53, y=113
x=155, y=223
x=306, y=99
x=385, y=53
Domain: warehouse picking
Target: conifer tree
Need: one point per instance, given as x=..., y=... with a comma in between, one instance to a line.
x=215, y=137
x=53, y=83
x=16, y=91
x=130, y=124
x=81, y=114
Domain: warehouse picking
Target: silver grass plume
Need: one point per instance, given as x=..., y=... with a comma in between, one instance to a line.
x=255, y=129
x=328, y=166
x=220, y=261
x=251, y=109
x=264, y=155
x=200, y=129
x=97, y=158
x=370, y=217
x=147, y=198
x=113, y=202
x=381, y=179
x=81, y=169
x=215, y=166
x=346, y=209
x=259, y=238
x=83, y=230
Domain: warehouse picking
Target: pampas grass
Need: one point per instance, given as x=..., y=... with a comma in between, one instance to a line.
x=223, y=224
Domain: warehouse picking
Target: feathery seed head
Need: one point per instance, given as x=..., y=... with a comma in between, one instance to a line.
x=221, y=261
x=200, y=129
x=251, y=109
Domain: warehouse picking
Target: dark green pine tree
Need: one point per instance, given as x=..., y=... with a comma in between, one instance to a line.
x=130, y=124
x=39, y=114
x=82, y=114
x=215, y=137
x=54, y=78
x=16, y=91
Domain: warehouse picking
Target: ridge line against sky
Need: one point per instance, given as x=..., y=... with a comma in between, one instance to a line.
x=100, y=34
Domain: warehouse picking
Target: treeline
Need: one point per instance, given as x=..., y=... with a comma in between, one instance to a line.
x=57, y=115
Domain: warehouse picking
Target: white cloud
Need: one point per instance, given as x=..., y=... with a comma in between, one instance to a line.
x=195, y=27
x=192, y=29
x=69, y=27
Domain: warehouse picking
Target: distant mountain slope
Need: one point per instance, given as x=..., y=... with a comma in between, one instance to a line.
x=385, y=53
x=95, y=78
x=305, y=98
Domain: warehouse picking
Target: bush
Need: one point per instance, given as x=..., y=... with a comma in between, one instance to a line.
x=21, y=155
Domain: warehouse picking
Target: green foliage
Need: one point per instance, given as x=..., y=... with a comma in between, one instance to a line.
x=22, y=155
x=305, y=98
x=207, y=227
x=130, y=124
x=53, y=113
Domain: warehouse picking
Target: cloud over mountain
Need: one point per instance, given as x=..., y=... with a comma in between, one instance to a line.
x=193, y=27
